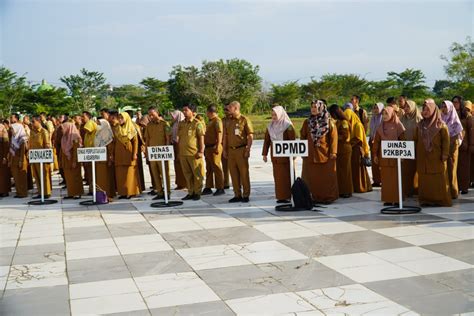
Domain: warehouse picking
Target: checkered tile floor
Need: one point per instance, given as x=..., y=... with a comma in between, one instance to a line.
x=213, y=258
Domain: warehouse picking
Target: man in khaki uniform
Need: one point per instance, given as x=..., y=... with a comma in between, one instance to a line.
x=157, y=133
x=40, y=139
x=213, y=153
x=225, y=167
x=238, y=138
x=191, y=151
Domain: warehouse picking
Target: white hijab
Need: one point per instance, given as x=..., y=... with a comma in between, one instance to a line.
x=277, y=127
x=104, y=134
x=19, y=137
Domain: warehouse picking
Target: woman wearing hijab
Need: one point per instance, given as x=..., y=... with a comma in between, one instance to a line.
x=451, y=119
x=344, y=150
x=40, y=139
x=180, y=181
x=280, y=128
x=321, y=133
x=360, y=149
x=469, y=108
x=375, y=122
x=410, y=119
x=70, y=141
x=467, y=145
x=125, y=157
x=432, y=150
x=390, y=129
x=18, y=160
x=5, y=184
x=105, y=171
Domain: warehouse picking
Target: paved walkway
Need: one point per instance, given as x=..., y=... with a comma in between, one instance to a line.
x=213, y=258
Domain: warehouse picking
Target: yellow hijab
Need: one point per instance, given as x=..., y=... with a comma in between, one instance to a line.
x=357, y=129
x=127, y=130
x=89, y=137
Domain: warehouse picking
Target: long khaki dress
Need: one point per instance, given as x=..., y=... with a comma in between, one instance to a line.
x=5, y=174
x=453, y=166
x=72, y=172
x=320, y=169
x=343, y=162
x=376, y=178
x=281, y=166
x=360, y=176
x=40, y=139
x=388, y=172
x=409, y=174
x=433, y=182
x=126, y=174
x=465, y=150
x=19, y=170
x=105, y=173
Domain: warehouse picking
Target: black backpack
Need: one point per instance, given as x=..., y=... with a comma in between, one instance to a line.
x=301, y=195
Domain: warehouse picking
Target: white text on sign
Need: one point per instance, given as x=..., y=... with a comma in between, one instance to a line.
x=290, y=148
x=40, y=155
x=398, y=149
x=158, y=153
x=89, y=154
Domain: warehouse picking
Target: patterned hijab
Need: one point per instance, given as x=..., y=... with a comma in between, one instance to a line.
x=452, y=120
x=177, y=116
x=277, y=127
x=126, y=131
x=430, y=126
x=376, y=120
x=391, y=129
x=70, y=135
x=104, y=134
x=319, y=124
x=19, y=137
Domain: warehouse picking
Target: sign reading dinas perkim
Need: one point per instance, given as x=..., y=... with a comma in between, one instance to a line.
x=160, y=153
x=89, y=154
x=290, y=148
x=40, y=155
x=398, y=149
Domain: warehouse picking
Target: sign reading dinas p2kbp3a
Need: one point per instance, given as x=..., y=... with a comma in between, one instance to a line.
x=89, y=154
x=40, y=155
x=158, y=153
x=398, y=149
x=290, y=148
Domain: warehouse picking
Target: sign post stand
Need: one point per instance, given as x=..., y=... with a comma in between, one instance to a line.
x=92, y=154
x=41, y=156
x=163, y=153
x=290, y=149
x=399, y=150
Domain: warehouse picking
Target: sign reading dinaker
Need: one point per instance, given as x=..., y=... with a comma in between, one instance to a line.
x=398, y=149
x=158, y=153
x=40, y=155
x=89, y=154
x=290, y=148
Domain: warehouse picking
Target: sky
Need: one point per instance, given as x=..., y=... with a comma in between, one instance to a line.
x=288, y=39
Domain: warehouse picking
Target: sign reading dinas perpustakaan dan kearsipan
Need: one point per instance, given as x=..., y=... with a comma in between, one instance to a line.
x=160, y=153
x=398, y=149
x=89, y=154
x=40, y=155
x=290, y=148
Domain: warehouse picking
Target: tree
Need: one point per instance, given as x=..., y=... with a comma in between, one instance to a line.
x=443, y=88
x=86, y=89
x=52, y=101
x=287, y=95
x=155, y=94
x=410, y=82
x=12, y=90
x=460, y=67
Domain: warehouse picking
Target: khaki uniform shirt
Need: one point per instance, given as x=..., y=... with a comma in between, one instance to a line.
x=189, y=132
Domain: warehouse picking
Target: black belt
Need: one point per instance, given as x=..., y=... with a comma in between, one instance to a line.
x=237, y=147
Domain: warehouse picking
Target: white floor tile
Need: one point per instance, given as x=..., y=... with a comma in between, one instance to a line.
x=102, y=288
x=174, y=289
x=108, y=304
x=285, y=230
x=92, y=253
x=142, y=244
x=455, y=229
x=37, y=275
x=90, y=244
x=174, y=225
x=272, y=304
x=350, y=261
x=41, y=240
x=434, y=265
x=328, y=226
x=267, y=251
x=379, y=272
x=212, y=257
x=404, y=254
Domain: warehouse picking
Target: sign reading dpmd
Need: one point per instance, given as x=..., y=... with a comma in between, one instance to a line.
x=158, y=153
x=89, y=154
x=290, y=148
x=40, y=155
x=398, y=149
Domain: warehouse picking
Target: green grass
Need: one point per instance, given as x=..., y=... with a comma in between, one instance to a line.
x=260, y=123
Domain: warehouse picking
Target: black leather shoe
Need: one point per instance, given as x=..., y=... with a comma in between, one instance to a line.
x=235, y=199
x=196, y=197
x=219, y=192
x=152, y=192
x=19, y=197
x=464, y=192
x=206, y=191
x=187, y=197
x=387, y=204
x=245, y=199
x=159, y=197
x=226, y=187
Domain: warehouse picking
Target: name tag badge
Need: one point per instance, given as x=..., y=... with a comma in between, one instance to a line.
x=237, y=132
x=190, y=132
